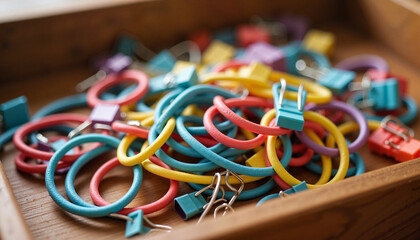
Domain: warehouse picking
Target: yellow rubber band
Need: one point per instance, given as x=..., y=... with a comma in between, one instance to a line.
x=149, y=151
x=331, y=128
x=262, y=87
x=190, y=177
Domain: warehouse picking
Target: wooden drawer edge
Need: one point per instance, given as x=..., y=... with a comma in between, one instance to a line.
x=378, y=203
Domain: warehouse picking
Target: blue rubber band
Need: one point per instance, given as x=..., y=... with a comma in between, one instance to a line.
x=90, y=211
x=354, y=171
x=183, y=96
x=232, y=166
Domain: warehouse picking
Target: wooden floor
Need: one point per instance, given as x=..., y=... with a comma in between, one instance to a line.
x=46, y=220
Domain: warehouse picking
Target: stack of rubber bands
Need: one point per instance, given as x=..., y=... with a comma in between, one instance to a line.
x=218, y=119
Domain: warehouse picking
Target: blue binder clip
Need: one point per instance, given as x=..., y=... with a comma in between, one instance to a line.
x=297, y=188
x=289, y=114
x=294, y=189
x=187, y=77
x=189, y=205
x=163, y=62
x=336, y=80
x=126, y=45
x=14, y=113
x=378, y=95
x=226, y=35
x=135, y=224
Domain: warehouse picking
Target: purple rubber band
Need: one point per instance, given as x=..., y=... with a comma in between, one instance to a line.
x=354, y=113
x=361, y=62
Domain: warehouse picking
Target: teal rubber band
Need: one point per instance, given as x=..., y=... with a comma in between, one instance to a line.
x=188, y=167
x=223, y=162
x=268, y=197
x=84, y=210
x=184, y=96
x=354, y=171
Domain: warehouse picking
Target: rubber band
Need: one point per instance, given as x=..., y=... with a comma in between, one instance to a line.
x=332, y=129
x=111, y=80
x=46, y=122
x=146, y=153
x=88, y=210
x=262, y=88
x=23, y=166
x=232, y=166
x=223, y=106
x=192, y=167
x=148, y=208
x=354, y=113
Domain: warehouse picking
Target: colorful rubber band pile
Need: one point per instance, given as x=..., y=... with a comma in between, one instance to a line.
x=243, y=115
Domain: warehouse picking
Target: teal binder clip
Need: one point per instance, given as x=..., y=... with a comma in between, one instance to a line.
x=289, y=114
x=294, y=189
x=337, y=80
x=187, y=77
x=126, y=45
x=135, y=224
x=14, y=113
x=163, y=62
x=189, y=205
x=297, y=188
x=385, y=94
x=378, y=95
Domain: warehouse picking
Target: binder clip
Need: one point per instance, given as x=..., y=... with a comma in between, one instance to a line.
x=202, y=38
x=110, y=65
x=14, y=113
x=162, y=62
x=237, y=191
x=320, y=42
x=190, y=205
x=295, y=26
x=379, y=95
x=336, y=80
x=225, y=35
x=136, y=224
x=187, y=77
x=289, y=114
x=297, y=188
x=378, y=75
x=294, y=189
x=265, y=53
x=276, y=29
x=218, y=52
x=101, y=117
x=44, y=144
x=395, y=140
x=249, y=34
x=256, y=71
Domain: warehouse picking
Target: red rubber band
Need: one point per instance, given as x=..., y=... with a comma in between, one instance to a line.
x=226, y=140
x=148, y=208
x=23, y=166
x=111, y=80
x=48, y=121
x=228, y=65
x=223, y=106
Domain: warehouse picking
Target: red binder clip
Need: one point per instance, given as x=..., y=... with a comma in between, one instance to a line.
x=395, y=140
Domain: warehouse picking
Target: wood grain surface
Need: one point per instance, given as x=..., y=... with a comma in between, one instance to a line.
x=47, y=221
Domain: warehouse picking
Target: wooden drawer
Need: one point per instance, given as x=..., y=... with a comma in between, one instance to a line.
x=53, y=50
